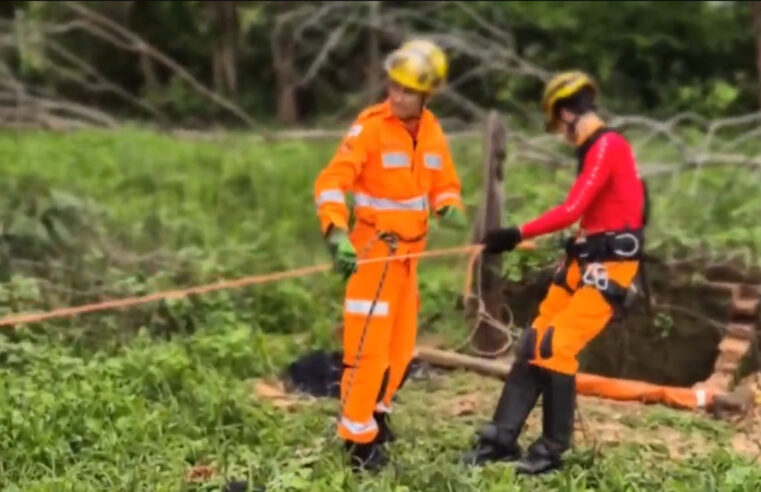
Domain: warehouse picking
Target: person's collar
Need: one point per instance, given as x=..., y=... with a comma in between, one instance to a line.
x=386, y=109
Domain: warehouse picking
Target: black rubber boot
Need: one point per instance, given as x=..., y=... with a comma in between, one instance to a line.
x=498, y=440
x=559, y=403
x=385, y=434
x=494, y=444
x=368, y=456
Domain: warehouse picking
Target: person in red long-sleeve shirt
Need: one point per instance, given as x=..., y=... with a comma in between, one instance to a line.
x=607, y=195
x=591, y=286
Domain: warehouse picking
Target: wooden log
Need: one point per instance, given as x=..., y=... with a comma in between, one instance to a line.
x=454, y=360
x=488, y=339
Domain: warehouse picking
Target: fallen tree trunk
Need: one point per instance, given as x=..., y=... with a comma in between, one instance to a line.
x=454, y=360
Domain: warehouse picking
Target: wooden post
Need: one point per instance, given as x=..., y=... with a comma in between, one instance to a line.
x=487, y=338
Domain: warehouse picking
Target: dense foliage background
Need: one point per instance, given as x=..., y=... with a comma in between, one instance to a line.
x=117, y=202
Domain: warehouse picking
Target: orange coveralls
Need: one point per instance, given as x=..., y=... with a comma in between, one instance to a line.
x=395, y=180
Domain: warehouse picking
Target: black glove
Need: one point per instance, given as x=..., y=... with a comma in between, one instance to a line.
x=501, y=240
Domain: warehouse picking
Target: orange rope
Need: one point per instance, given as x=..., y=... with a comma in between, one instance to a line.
x=221, y=285
x=482, y=313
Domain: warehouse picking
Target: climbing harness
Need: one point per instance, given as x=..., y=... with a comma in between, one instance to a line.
x=591, y=252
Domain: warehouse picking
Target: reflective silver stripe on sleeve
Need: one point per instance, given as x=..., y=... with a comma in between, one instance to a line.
x=330, y=196
x=444, y=196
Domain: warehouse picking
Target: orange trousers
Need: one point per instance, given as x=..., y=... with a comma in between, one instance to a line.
x=568, y=321
x=373, y=372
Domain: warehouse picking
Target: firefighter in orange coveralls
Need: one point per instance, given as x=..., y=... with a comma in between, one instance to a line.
x=396, y=162
x=591, y=285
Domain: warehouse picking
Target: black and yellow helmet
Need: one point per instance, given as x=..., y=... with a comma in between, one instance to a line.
x=418, y=64
x=563, y=86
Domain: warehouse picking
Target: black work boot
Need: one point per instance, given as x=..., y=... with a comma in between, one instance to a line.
x=498, y=440
x=494, y=444
x=368, y=456
x=385, y=434
x=558, y=404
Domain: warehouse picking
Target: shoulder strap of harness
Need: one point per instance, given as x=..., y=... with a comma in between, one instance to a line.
x=583, y=149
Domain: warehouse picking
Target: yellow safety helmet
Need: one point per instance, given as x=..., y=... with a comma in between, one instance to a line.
x=418, y=64
x=563, y=86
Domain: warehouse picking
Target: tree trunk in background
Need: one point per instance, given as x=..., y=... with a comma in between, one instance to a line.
x=283, y=58
x=125, y=14
x=755, y=14
x=224, y=16
x=374, y=72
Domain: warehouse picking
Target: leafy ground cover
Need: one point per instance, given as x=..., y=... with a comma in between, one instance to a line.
x=132, y=399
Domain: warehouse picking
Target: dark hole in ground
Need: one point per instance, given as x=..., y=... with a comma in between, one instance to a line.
x=678, y=346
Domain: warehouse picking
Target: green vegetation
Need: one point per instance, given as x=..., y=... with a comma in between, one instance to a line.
x=139, y=418
x=132, y=399
x=129, y=400
x=94, y=214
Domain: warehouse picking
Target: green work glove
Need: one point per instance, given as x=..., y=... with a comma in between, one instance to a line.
x=343, y=252
x=452, y=217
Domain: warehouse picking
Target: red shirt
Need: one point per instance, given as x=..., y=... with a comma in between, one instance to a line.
x=608, y=194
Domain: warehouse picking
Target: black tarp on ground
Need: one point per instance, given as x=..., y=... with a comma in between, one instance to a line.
x=316, y=373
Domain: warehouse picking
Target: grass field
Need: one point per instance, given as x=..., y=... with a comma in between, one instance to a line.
x=130, y=400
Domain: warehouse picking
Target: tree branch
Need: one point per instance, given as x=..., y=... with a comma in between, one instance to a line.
x=319, y=61
x=503, y=36
x=103, y=83
x=137, y=44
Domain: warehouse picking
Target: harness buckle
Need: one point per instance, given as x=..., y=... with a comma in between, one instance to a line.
x=633, y=251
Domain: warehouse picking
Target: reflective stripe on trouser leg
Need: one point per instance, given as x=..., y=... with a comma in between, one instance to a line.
x=403, y=332
x=585, y=316
x=364, y=370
